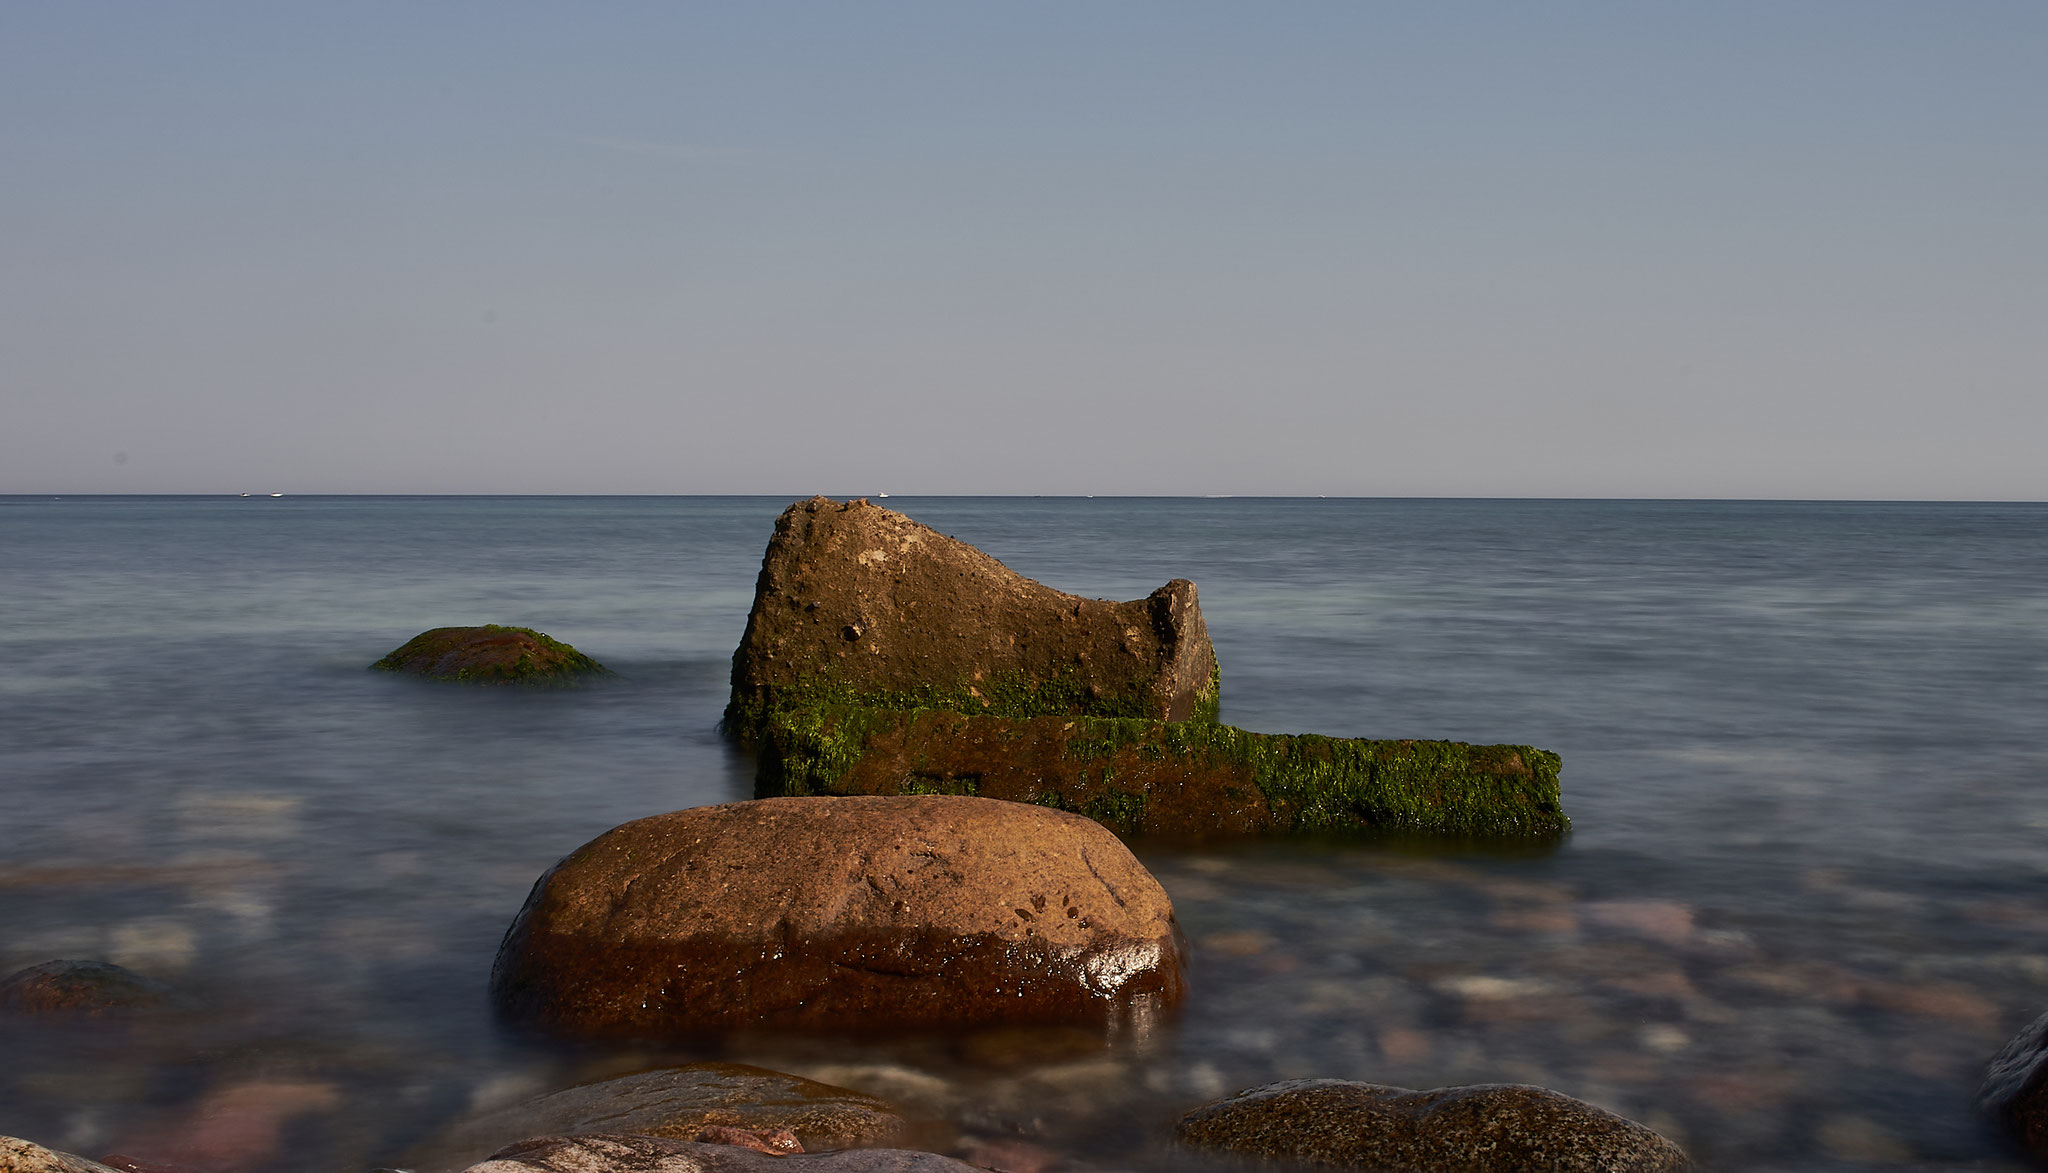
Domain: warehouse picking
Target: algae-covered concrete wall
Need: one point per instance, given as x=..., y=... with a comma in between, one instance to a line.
x=1141, y=777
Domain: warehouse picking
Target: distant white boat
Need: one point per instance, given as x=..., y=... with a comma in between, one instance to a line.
x=881, y=494
x=277, y=494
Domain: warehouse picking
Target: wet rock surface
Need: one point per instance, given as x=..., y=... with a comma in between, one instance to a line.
x=1186, y=780
x=677, y=1103
x=490, y=655
x=603, y=1153
x=22, y=1156
x=89, y=988
x=860, y=604
x=1486, y=1128
x=2015, y=1092
x=858, y=914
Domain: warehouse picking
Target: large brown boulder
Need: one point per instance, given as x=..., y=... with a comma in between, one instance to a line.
x=842, y=914
x=675, y=1102
x=1182, y=779
x=490, y=655
x=859, y=604
x=2015, y=1091
x=1485, y=1128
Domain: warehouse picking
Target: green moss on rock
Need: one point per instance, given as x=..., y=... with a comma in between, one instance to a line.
x=1187, y=778
x=1013, y=695
x=490, y=654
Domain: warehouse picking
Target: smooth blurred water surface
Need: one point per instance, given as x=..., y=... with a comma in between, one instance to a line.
x=1805, y=900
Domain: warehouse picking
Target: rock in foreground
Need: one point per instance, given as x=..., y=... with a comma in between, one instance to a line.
x=22, y=1156
x=1485, y=1128
x=490, y=655
x=860, y=604
x=847, y=914
x=649, y=1154
x=2015, y=1092
x=1186, y=779
x=89, y=988
x=675, y=1103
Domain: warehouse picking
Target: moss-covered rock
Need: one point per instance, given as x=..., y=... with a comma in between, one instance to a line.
x=1181, y=779
x=491, y=655
x=857, y=604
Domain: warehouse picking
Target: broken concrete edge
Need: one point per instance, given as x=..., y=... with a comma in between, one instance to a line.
x=1015, y=696
x=1310, y=784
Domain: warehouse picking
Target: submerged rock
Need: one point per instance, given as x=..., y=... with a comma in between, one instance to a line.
x=677, y=1103
x=490, y=655
x=860, y=604
x=604, y=1153
x=1485, y=1128
x=24, y=1156
x=1177, y=779
x=90, y=988
x=859, y=913
x=2015, y=1091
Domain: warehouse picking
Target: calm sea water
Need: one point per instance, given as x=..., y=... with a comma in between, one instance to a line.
x=1805, y=746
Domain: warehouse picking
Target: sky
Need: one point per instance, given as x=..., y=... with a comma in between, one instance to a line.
x=1447, y=249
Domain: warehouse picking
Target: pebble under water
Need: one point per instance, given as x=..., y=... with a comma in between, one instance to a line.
x=1805, y=900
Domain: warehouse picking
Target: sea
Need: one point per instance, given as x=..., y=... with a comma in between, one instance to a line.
x=1805, y=745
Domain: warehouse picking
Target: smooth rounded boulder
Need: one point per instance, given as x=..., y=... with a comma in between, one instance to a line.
x=841, y=914
x=1483, y=1128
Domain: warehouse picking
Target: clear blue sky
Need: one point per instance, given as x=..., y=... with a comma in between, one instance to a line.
x=1734, y=249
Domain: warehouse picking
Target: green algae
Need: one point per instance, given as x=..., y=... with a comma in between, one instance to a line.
x=1310, y=784
x=1014, y=695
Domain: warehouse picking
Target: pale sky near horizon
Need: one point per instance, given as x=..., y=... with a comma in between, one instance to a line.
x=1728, y=250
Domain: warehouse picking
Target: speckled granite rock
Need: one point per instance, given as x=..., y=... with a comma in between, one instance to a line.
x=841, y=914
x=609, y=1153
x=490, y=655
x=1485, y=1128
x=675, y=1103
x=2015, y=1092
x=22, y=1156
x=83, y=987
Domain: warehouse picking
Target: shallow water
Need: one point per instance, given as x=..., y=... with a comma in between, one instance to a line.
x=1804, y=901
